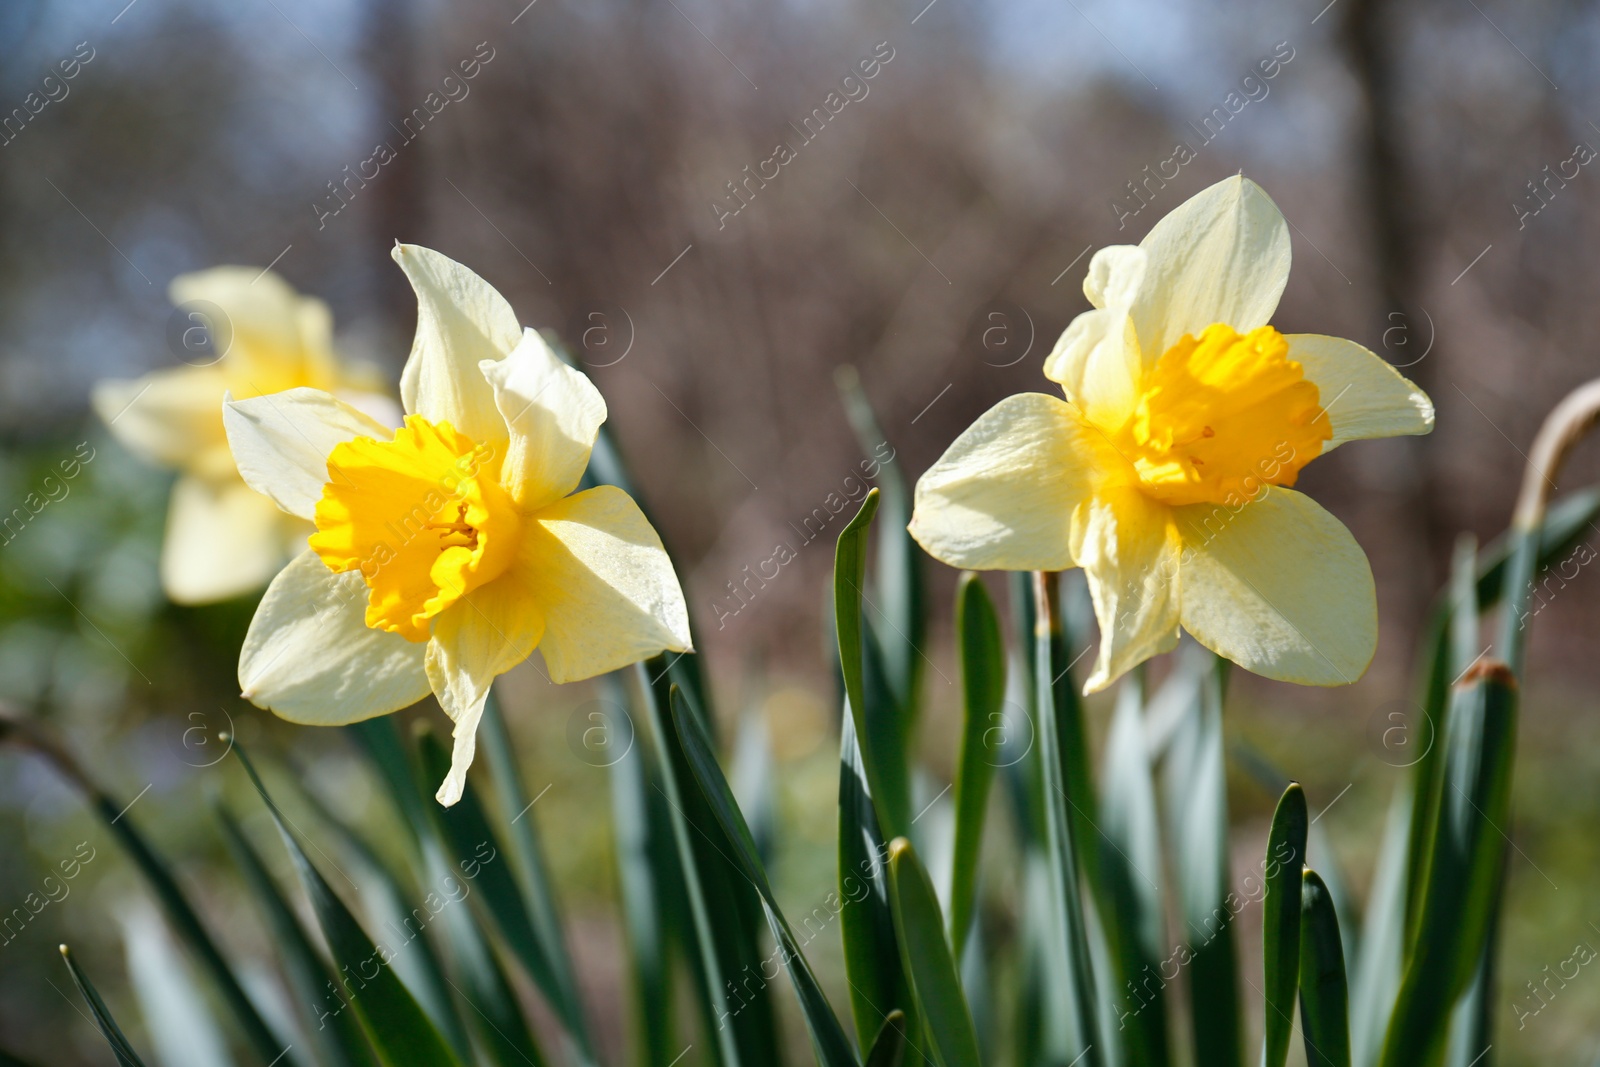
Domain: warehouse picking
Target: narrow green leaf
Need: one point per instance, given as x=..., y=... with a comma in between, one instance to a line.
x=398, y=1029
x=1463, y=876
x=1378, y=965
x=503, y=1031
x=1281, y=922
x=983, y=686
x=1324, y=1000
x=390, y=905
x=827, y=1036
x=103, y=1021
x=901, y=593
x=1074, y=1001
x=1133, y=919
x=888, y=1048
x=516, y=809
x=919, y=928
x=1196, y=799
x=647, y=869
x=474, y=846
x=885, y=766
x=878, y=986
x=158, y=873
x=337, y=1033
x=722, y=901
x=753, y=779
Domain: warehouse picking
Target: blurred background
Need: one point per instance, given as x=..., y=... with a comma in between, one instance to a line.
x=607, y=169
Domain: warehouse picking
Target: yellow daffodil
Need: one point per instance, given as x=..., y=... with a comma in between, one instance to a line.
x=223, y=538
x=446, y=551
x=1165, y=472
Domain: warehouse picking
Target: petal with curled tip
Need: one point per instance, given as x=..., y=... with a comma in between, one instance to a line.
x=553, y=412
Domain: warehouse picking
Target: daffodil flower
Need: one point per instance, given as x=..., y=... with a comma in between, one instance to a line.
x=223, y=538
x=446, y=551
x=1165, y=472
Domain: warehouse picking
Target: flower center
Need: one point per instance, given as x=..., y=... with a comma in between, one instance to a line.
x=1223, y=417
x=423, y=517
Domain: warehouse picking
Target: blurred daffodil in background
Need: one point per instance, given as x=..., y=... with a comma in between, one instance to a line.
x=243, y=331
x=1165, y=472
x=446, y=551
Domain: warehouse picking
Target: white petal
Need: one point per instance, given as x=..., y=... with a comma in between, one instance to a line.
x=1003, y=494
x=1220, y=256
x=281, y=443
x=172, y=417
x=272, y=338
x=605, y=584
x=310, y=657
x=1129, y=550
x=461, y=321
x=1363, y=395
x=553, y=411
x=223, y=539
x=479, y=638
x=1099, y=366
x=1116, y=274
x=1280, y=588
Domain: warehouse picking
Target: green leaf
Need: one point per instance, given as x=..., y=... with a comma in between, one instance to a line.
x=475, y=846
x=533, y=875
x=1281, y=922
x=1377, y=972
x=158, y=873
x=502, y=1029
x=647, y=869
x=1196, y=803
x=103, y=1020
x=888, y=1048
x=901, y=591
x=827, y=1037
x=388, y=904
x=878, y=986
x=337, y=1033
x=398, y=1029
x=983, y=686
x=722, y=900
x=919, y=927
x=1457, y=902
x=883, y=759
x=1133, y=917
x=1071, y=1001
x=1324, y=1015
